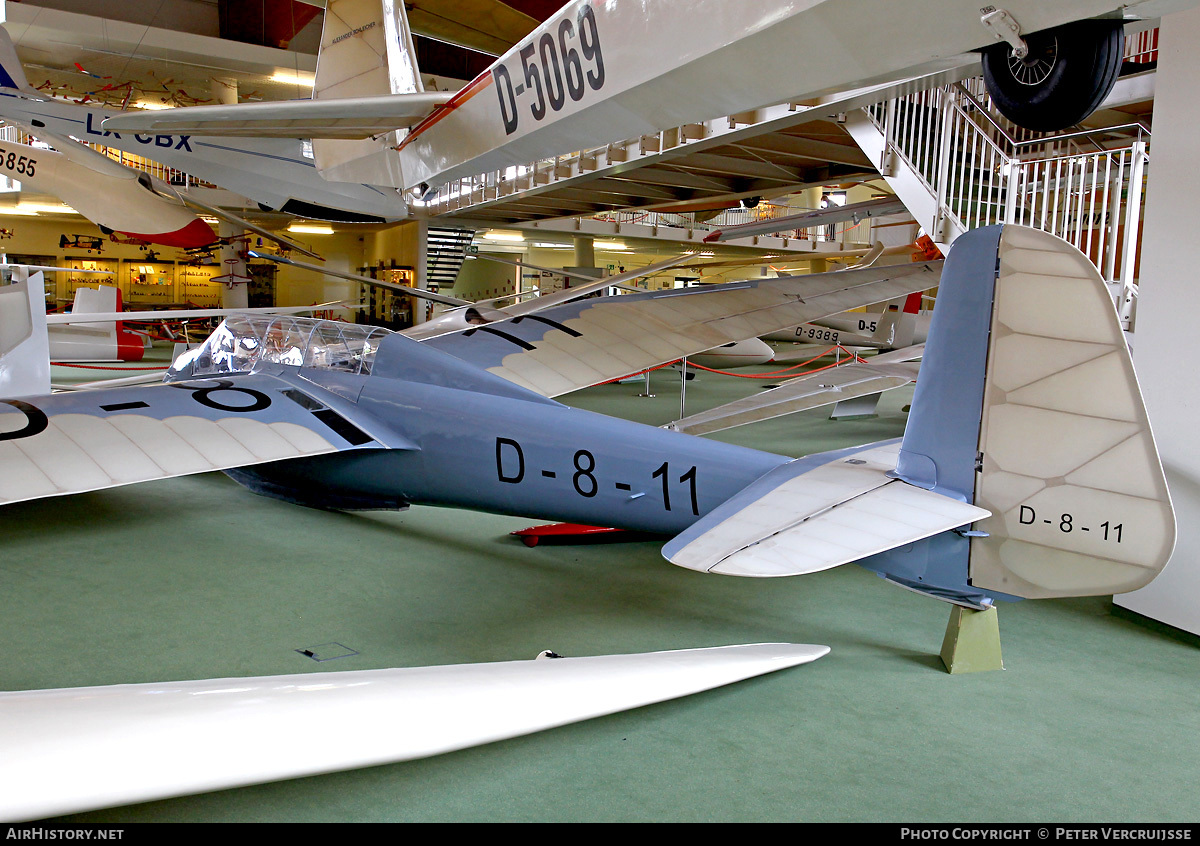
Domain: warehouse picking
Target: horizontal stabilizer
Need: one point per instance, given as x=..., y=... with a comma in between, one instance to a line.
x=802, y=519
x=348, y=117
x=800, y=394
x=84, y=748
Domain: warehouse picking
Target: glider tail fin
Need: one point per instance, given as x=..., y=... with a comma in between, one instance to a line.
x=24, y=344
x=1028, y=406
x=1027, y=467
x=12, y=75
x=366, y=50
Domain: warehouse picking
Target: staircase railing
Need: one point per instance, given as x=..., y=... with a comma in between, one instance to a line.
x=1087, y=187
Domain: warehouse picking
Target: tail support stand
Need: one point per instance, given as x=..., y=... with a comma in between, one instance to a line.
x=972, y=642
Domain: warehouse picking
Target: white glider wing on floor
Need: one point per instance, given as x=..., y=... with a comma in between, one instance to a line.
x=83, y=748
x=571, y=346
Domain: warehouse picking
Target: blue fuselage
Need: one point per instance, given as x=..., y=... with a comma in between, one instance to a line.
x=535, y=458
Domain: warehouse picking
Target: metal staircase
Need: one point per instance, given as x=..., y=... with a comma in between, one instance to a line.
x=957, y=165
x=446, y=249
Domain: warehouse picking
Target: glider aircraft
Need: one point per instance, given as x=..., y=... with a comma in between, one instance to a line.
x=1027, y=469
x=275, y=173
x=593, y=73
x=467, y=315
x=118, y=198
x=588, y=75
x=1007, y=431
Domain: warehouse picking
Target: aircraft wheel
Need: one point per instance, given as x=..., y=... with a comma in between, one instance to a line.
x=1066, y=75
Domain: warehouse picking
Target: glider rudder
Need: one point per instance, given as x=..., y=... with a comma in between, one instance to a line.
x=1028, y=407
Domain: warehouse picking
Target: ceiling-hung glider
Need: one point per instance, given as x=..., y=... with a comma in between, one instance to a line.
x=595, y=73
x=1027, y=468
x=274, y=173
x=183, y=737
x=108, y=194
x=118, y=198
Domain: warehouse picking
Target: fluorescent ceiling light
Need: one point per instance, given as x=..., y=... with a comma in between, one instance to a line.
x=311, y=228
x=610, y=245
x=503, y=235
x=154, y=107
x=292, y=79
x=545, y=245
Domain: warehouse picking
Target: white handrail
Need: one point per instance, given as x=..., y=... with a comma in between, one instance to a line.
x=980, y=173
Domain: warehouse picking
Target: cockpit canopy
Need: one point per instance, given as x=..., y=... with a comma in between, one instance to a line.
x=242, y=341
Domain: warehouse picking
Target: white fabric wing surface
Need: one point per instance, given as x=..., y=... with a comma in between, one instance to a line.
x=89, y=440
x=839, y=512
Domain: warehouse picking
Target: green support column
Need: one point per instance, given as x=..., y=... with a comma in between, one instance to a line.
x=972, y=642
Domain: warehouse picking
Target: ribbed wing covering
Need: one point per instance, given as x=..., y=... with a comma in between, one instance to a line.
x=88, y=440
x=571, y=346
x=1070, y=469
x=830, y=515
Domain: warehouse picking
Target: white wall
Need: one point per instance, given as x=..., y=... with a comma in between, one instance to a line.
x=1168, y=305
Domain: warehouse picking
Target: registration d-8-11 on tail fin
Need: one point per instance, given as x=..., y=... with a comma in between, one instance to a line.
x=1027, y=405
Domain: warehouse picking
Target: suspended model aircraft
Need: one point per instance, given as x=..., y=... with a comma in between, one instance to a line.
x=1027, y=468
x=593, y=73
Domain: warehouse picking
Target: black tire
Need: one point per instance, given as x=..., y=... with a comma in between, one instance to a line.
x=1069, y=71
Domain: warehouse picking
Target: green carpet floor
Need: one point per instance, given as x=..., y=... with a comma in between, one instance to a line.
x=1095, y=717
